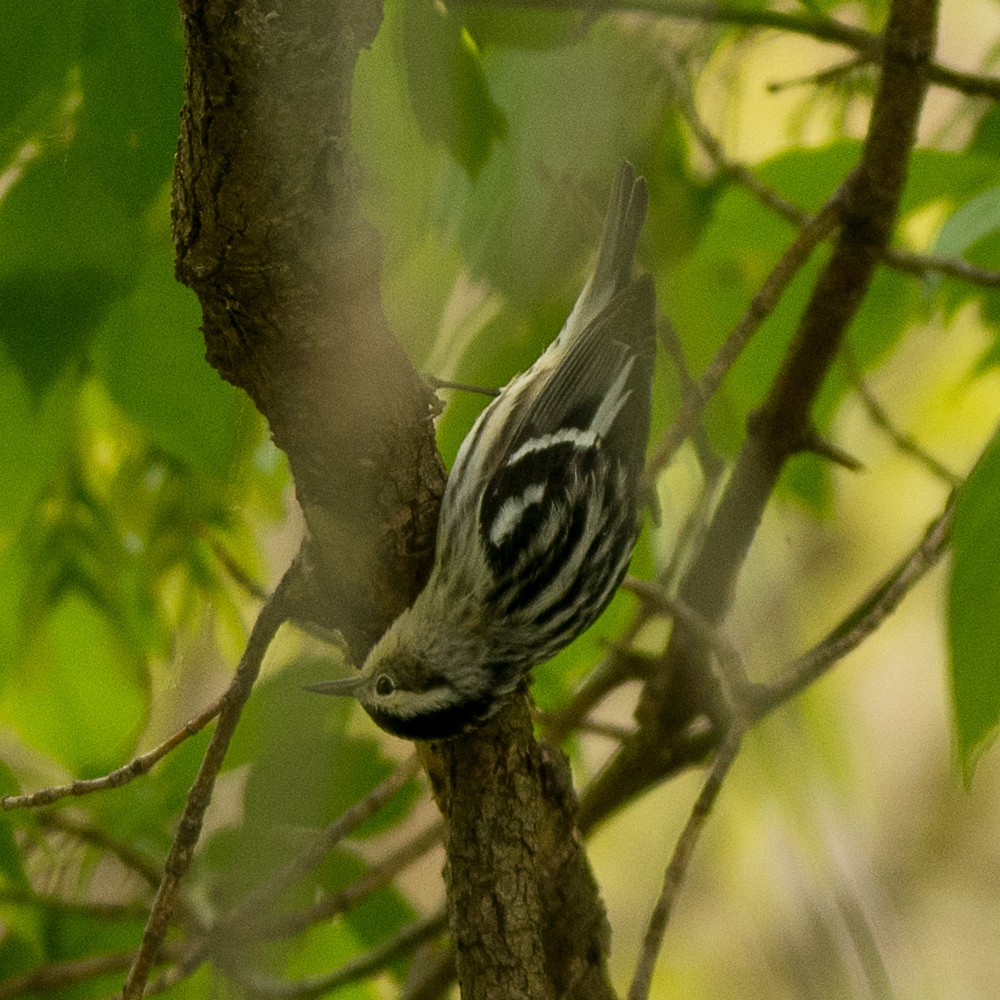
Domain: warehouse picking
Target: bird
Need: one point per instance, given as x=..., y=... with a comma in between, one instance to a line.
x=540, y=513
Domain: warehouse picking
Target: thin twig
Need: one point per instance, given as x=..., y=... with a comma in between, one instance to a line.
x=272, y=615
x=832, y=74
x=57, y=904
x=822, y=29
x=120, y=776
x=761, y=306
x=132, y=859
x=608, y=730
x=864, y=619
x=676, y=871
x=878, y=415
x=445, y=383
x=954, y=267
x=350, y=972
x=259, y=901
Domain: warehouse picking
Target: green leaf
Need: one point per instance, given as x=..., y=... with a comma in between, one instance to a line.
x=37, y=48
x=132, y=66
x=151, y=356
x=79, y=695
x=974, y=609
x=448, y=90
x=10, y=857
x=67, y=251
x=973, y=221
x=46, y=316
x=36, y=432
x=986, y=138
x=508, y=27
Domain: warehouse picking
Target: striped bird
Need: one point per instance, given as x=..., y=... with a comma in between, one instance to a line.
x=540, y=512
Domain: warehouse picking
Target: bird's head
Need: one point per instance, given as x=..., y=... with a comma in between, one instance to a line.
x=420, y=690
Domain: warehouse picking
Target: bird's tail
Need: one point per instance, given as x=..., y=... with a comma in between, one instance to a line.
x=616, y=255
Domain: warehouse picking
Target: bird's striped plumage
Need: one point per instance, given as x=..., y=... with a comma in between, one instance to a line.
x=540, y=512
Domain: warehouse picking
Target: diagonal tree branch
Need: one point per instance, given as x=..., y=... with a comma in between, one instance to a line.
x=781, y=427
x=677, y=870
x=272, y=615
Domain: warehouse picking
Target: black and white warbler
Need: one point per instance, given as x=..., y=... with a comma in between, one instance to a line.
x=540, y=512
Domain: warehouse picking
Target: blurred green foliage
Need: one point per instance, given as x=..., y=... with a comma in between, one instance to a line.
x=132, y=477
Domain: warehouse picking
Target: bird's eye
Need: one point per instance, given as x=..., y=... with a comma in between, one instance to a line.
x=384, y=686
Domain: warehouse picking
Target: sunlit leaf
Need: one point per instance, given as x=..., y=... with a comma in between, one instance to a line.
x=974, y=599
x=80, y=695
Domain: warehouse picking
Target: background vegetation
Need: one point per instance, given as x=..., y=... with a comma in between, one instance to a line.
x=145, y=512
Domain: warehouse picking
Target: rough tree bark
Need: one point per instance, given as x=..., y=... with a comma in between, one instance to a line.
x=268, y=233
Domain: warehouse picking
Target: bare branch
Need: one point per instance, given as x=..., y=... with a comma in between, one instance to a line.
x=273, y=614
x=132, y=859
x=863, y=620
x=254, y=907
x=120, y=776
x=822, y=29
x=677, y=870
x=350, y=972
x=904, y=442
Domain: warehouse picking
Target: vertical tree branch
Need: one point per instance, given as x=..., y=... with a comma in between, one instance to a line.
x=268, y=233
x=524, y=910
